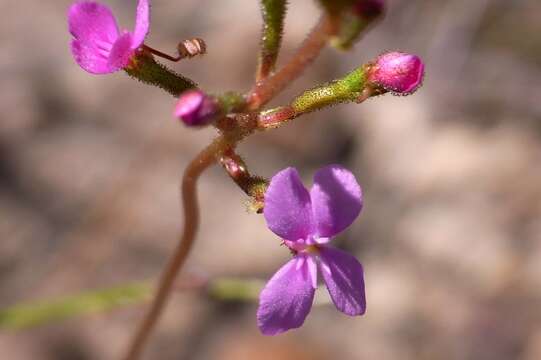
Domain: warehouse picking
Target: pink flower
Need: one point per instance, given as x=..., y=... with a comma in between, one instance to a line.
x=307, y=221
x=397, y=72
x=98, y=46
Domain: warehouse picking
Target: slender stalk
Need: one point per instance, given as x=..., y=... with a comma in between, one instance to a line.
x=191, y=222
x=273, y=12
x=162, y=54
x=264, y=91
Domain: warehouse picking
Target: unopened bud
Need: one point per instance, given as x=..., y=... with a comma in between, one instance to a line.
x=397, y=72
x=195, y=108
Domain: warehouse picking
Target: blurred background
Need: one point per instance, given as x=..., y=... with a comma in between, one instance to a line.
x=450, y=235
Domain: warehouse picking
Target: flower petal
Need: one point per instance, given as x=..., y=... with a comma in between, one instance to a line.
x=287, y=298
x=287, y=206
x=91, y=59
x=121, y=52
x=92, y=22
x=336, y=200
x=95, y=31
x=142, y=23
x=343, y=276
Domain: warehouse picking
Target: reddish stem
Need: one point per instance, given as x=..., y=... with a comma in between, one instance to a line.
x=191, y=222
x=161, y=54
x=265, y=90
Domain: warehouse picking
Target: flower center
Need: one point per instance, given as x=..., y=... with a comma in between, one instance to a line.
x=312, y=249
x=300, y=247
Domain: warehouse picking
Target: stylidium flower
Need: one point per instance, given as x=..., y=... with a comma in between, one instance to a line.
x=98, y=46
x=307, y=221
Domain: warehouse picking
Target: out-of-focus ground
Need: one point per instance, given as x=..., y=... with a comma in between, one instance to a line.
x=450, y=236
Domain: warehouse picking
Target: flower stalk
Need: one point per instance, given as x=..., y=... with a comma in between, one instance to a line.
x=253, y=186
x=351, y=87
x=147, y=70
x=197, y=166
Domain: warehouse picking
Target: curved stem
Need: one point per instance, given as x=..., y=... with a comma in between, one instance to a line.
x=191, y=222
x=264, y=91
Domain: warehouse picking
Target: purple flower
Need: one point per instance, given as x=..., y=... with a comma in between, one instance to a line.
x=98, y=46
x=307, y=221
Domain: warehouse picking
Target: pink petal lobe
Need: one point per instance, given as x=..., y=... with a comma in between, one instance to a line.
x=142, y=23
x=92, y=22
x=287, y=298
x=336, y=200
x=343, y=276
x=95, y=31
x=287, y=206
x=121, y=52
x=90, y=59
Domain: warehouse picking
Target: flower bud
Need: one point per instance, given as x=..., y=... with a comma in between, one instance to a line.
x=195, y=108
x=369, y=9
x=397, y=72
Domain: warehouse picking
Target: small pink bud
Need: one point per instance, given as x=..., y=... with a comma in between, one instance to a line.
x=195, y=108
x=397, y=72
x=369, y=9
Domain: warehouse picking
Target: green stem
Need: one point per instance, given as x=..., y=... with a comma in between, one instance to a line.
x=347, y=89
x=145, y=69
x=28, y=315
x=352, y=87
x=273, y=12
x=267, y=89
x=32, y=314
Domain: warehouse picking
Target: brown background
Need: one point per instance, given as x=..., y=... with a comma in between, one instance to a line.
x=450, y=233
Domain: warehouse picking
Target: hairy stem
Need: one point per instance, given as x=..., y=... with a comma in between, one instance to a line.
x=264, y=91
x=191, y=222
x=147, y=70
x=273, y=12
x=352, y=87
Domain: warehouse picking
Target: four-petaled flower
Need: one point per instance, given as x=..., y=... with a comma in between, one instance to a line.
x=307, y=221
x=98, y=45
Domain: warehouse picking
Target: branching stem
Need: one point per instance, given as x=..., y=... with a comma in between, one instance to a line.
x=265, y=90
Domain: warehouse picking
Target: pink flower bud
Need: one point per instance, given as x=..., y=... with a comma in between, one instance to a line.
x=397, y=72
x=369, y=9
x=195, y=108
